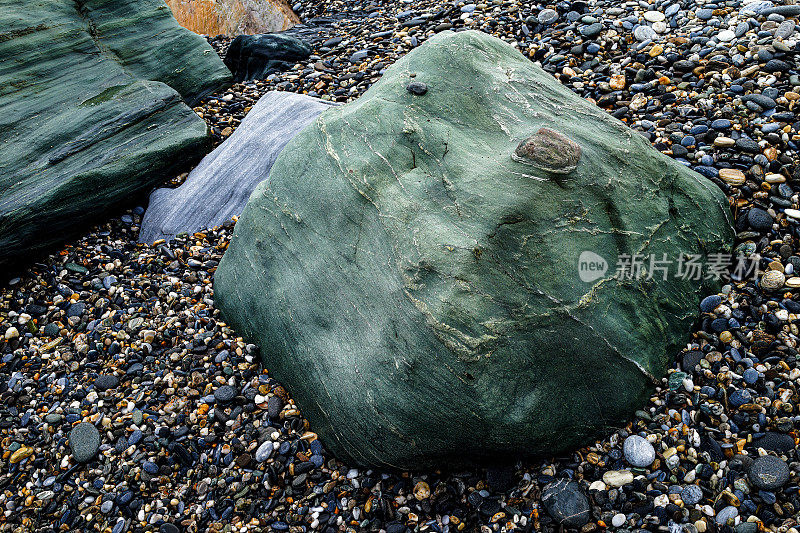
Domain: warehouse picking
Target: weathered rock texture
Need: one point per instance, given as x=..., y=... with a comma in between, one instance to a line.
x=220, y=185
x=91, y=115
x=254, y=57
x=411, y=272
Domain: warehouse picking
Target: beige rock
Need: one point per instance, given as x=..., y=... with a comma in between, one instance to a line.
x=773, y=279
x=731, y=176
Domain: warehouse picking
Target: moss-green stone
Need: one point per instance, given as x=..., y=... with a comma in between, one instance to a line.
x=416, y=286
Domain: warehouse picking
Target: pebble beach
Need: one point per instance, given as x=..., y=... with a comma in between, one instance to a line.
x=129, y=405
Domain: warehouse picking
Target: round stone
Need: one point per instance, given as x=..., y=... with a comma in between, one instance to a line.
x=644, y=33
x=225, y=393
x=654, y=16
x=660, y=27
x=617, y=520
x=691, y=494
x=547, y=16
x=565, y=502
x=168, y=528
x=759, y=219
x=768, y=472
x=772, y=280
x=726, y=35
x=84, y=441
x=727, y=513
x=732, y=176
x=709, y=303
x=638, y=451
x=105, y=382
x=550, y=151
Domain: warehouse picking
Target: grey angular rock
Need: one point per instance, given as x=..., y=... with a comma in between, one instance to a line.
x=218, y=188
x=91, y=93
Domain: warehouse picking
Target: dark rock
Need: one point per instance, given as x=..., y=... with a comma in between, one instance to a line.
x=105, y=382
x=101, y=119
x=225, y=394
x=690, y=360
x=412, y=263
x=775, y=442
x=416, y=87
x=254, y=57
x=709, y=303
x=763, y=101
x=746, y=144
x=274, y=407
x=759, y=219
x=776, y=65
x=84, y=441
x=768, y=472
x=219, y=186
x=565, y=501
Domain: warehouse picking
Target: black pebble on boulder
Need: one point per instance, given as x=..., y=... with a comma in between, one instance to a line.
x=254, y=57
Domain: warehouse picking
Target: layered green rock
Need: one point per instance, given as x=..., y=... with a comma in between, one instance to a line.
x=92, y=93
x=411, y=270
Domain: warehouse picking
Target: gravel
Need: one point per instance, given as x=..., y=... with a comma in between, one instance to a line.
x=195, y=435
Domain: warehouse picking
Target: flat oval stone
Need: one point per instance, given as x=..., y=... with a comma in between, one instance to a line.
x=732, y=176
x=84, y=441
x=768, y=472
x=618, y=478
x=654, y=16
x=549, y=150
x=638, y=451
x=691, y=494
x=772, y=279
x=644, y=33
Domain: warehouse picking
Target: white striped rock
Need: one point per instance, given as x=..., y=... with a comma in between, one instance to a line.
x=218, y=188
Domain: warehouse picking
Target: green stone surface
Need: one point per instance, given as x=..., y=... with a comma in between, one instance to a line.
x=414, y=281
x=92, y=93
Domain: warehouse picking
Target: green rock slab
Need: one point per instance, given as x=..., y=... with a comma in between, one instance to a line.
x=410, y=267
x=92, y=94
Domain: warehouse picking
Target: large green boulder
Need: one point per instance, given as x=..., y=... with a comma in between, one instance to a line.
x=424, y=269
x=92, y=93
